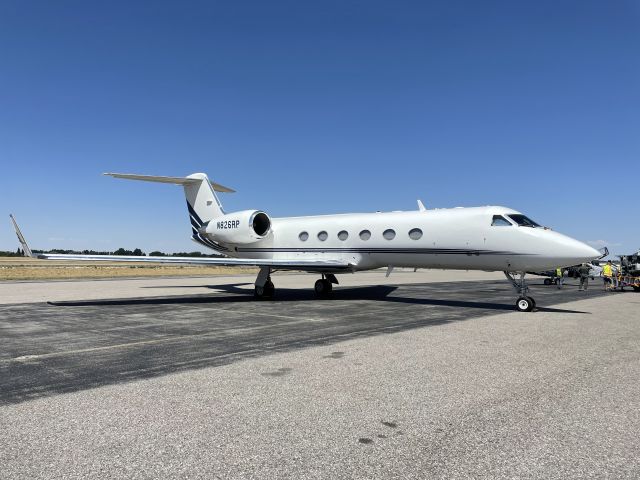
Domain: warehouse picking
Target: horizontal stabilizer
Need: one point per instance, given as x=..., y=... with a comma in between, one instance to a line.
x=174, y=180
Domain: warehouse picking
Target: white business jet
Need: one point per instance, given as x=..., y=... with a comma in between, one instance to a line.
x=478, y=238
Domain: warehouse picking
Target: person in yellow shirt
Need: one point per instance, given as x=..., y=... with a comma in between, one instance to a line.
x=559, y=277
x=607, y=275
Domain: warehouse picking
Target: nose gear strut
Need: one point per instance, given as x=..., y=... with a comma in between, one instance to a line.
x=524, y=303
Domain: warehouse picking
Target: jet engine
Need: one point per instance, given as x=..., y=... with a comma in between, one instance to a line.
x=247, y=226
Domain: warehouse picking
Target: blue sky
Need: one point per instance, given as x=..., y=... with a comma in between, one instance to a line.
x=316, y=107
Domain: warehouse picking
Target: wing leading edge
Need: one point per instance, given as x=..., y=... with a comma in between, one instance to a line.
x=309, y=265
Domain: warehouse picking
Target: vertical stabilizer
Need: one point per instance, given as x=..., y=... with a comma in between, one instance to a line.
x=202, y=201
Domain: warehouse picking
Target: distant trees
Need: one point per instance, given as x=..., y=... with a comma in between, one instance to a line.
x=17, y=253
x=121, y=251
x=135, y=253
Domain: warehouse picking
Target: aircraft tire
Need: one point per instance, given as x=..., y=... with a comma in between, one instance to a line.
x=525, y=304
x=323, y=288
x=266, y=292
x=270, y=289
x=547, y=281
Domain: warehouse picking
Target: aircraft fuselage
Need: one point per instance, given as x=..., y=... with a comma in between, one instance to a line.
x=457, y=238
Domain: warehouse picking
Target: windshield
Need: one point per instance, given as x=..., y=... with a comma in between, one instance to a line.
x=500, y=221
x=523, y=220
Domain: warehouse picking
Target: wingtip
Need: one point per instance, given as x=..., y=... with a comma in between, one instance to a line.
x=25, y=246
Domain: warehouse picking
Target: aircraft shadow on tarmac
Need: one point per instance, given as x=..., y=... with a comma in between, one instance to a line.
x=235, y=293
x=87, y=344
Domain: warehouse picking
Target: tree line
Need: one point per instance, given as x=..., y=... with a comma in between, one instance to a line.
x=136, y=252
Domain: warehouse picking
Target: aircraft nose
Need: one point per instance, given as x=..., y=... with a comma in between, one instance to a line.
x=592, y=252
x=581, y=252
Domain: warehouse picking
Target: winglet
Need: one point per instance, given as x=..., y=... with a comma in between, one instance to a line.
x=21, y=239
x=421, y=206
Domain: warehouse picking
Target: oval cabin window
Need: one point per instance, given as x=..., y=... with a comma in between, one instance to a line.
x=389, y=234
x=365, y=235
x=415, y=234
x=343, y=235
x=322, y=236
x=304, y=236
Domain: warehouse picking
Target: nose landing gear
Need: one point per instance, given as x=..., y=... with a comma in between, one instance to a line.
x=524, y=302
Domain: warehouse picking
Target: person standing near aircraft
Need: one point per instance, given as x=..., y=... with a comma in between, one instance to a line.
x=614, y=276
x=584, y=271
x=559, y=277
x=607, y=274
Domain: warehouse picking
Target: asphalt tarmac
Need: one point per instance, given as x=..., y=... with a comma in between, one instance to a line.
x=432, y=380
x=57, y=347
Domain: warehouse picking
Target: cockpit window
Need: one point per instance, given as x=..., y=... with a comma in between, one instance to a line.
x=500, y=221
x=522, y=220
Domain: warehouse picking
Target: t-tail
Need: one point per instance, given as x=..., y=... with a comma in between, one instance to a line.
x=202, y=202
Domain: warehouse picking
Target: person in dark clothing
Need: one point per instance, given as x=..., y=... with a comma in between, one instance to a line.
x=583, y=271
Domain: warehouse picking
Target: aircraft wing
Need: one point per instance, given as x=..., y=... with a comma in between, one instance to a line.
x=304, y=265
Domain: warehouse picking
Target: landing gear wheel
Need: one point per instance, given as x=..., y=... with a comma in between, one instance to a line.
x=323, y=288
x=270, y=289
x=265, y=292
x=547, y=281
x=525, y=304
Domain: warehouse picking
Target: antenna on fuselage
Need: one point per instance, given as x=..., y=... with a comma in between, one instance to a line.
x=421, y=206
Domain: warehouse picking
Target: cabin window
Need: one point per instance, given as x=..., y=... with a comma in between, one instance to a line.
x=322, y=236
x=365, y=235
x=343, y=235
x=304, y=236
x=415, y=234
x=389, y=234
x=500, y=221
x=522, y=220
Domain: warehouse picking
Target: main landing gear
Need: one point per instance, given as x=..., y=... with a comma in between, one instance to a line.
x=265, y=290
x=324, y=286
x=268, y=290
x=524, y=302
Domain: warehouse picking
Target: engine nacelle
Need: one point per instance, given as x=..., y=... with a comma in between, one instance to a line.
x=247, y=226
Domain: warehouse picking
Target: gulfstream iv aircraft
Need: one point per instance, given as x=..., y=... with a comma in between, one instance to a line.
x=478, y=238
